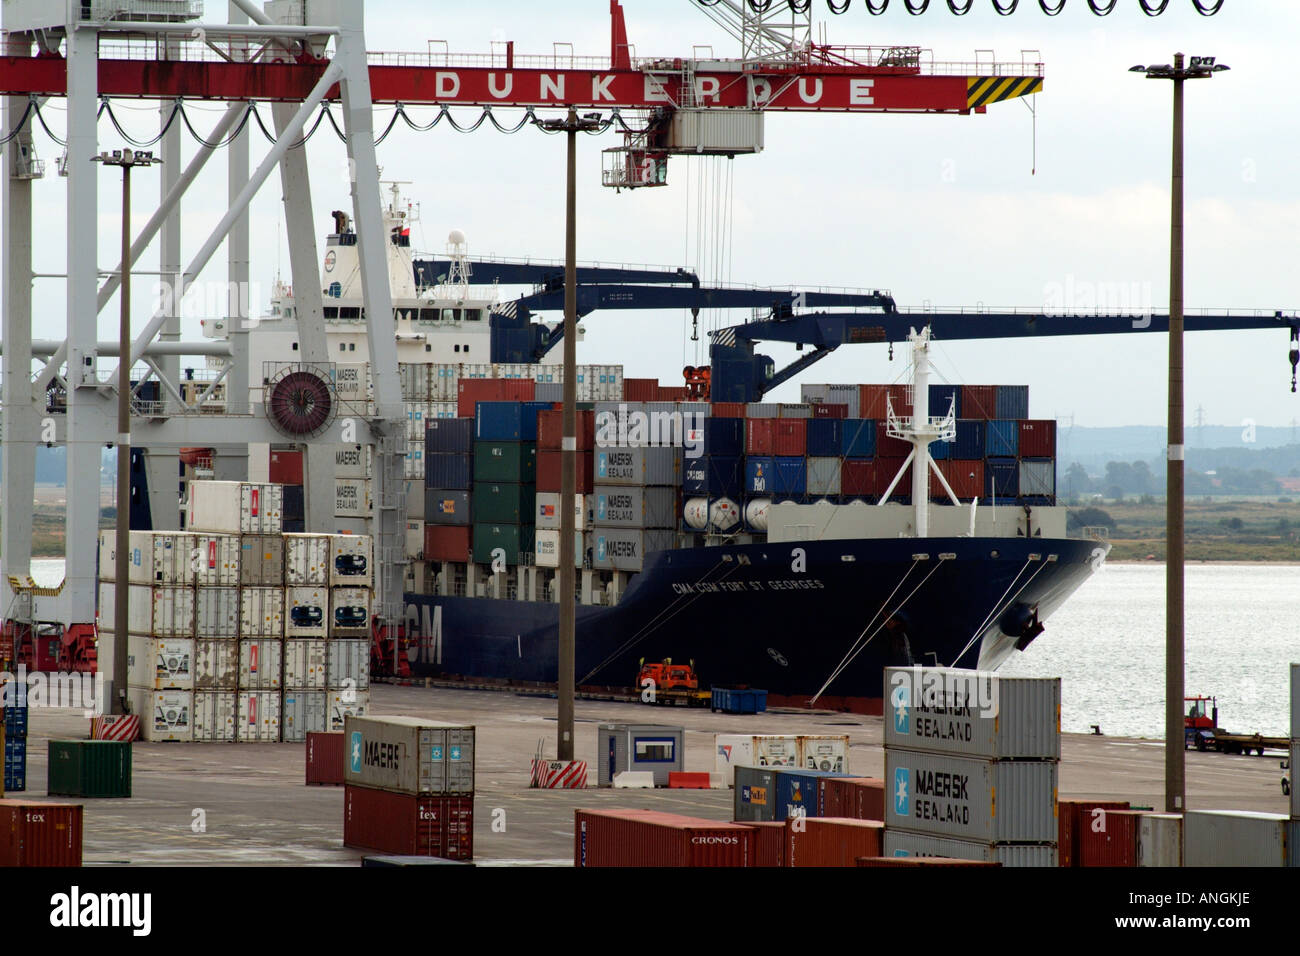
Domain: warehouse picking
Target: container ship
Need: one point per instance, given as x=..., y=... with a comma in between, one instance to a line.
x=799, y=548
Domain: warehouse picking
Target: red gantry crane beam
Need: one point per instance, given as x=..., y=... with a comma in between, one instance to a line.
x=817, y=78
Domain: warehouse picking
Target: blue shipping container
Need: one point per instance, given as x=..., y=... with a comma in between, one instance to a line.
x=447, y=471
x=824, y=437
x=944, y=397
x=1002, y=439
x=797, y=792
x=940, y=450
x=1013, y=401
x=15, y=763
x=724, y=436
x=739, y=701
x=715, y=476
x=969, y=443
x=858, y=438
x=1001, y=478
x=507, y=421
x=760, y=476
x=16, y=721
x=448, y=435
x=791, y=476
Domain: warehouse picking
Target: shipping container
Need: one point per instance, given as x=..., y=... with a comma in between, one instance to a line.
x=862, y=798
x=753, y=750
x=446, y=543
x=659, y=749
x=1224, y=838
x=162, y=611
x=453, y=436
x=352, y=382
x=659, y=465
x=495, y=543
x=780, y=477
x=798, y=792
x=155, y=557
x=216, y=559
x=1001, y=478
x=448, y=471
x=1295, y=702
x=857, y=477
x=305, y=666
x=325, y=753
x=550, y=429
x=825, y=438
x=973, y=713
x=89, y=768
x=348, y=664
x=234, y=507
x=884, y=475
x=972, y=799
x=627, y=549
x=303, y=712
x=503, y=502
x=507, y=421
x=349, y=612
x=723, y=436
x=1001, y=439
x=216, y=614
x=16, y=719
x=306, y=612
x=1160, y=840
x=414, y=492
x=354, y=461
x=353, y=497
x=1113, y=842
x=888, y=446
x=285, y=467
x=920, y=861
x=261, y=561
x=1012, y=401
x=1037, y=477
x=415, y=381
x=160, y=663
x=164, y=714
x=306, y=560
x=549, y=474
x=824, y=476
x=650, y=838
x=546, y=548
x=965, y=478
x=505, y=461
x=449, y=507
x=261, y=613
x=979, y=402
x=839, y=394
x=259, y=716
x=547, y=514
x=1072, y=815
x=902, y=843
x=832, y=841
x=345, y=704
x=968, y=444
x=858, y=438
x=471, y=391
x=260, y=664
x=714, y=476
x=769, y=842
x=216, y=665
x=945, y=399
x=40, y=834
x=215, y=712
x=727, y=410
x=353, y=560
x=407, y=824
x=14, y=759
x=410, y=755
x=634, y=507
x=1038, y=438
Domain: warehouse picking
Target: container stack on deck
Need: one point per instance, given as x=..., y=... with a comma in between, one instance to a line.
x=972, y=761
x=238, y=631
x=550, y=432
x=504, y=500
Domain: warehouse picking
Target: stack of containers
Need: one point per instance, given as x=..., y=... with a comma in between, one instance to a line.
x=713, y=477
x=505, y=481
x=219, y=574
x=351, y=602
x=776, y=464
x=307, y=559
x=448, y=472
x=416, y=379
x=550, y=433
x=160, y=628
x=972, y=763
x=15, y=716
x=635, y=489
x=409, y=787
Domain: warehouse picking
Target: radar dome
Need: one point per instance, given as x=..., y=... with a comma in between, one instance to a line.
x=456, y=237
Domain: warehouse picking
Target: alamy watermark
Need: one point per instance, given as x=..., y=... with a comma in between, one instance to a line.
x=1080, y=297
x=940, y=690
x=209, y=299
x=73, y=689
x=636, y=428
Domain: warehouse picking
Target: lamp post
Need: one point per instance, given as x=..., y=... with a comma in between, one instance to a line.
x=1200, y=67
x=571, y=124
x=127, y=159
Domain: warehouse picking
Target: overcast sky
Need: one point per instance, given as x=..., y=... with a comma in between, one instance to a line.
x=943, y=210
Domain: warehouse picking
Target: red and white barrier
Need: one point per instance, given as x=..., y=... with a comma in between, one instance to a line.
x=559, y=774
x=125, y=727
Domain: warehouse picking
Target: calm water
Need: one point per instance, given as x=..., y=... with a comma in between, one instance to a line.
x=1107, y=645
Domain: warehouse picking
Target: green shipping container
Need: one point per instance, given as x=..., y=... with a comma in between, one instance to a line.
x=503, y=502
x=513, y=539
x=89, y=768
x=514, y=461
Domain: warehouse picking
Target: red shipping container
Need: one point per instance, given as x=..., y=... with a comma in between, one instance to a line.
x=688, y=780
x=1037, y=438
x=1071, y=816
x=550, y=429
x=886, y=469
x=900, y=398
x=40, y=834
x=641, y=389
x=651, y=838
x=965, y=477
x=446, y=543
x=286, y=468
x=769, y=842
x=827, y=410
x=790, y=437
x=671, y=393
x=325, y=759
x=870, y=799
x=1111, y=840
x=921, y=861
x=857, y=476
x=832, y=841
x=549, y=464
x=404, y=824
x=471, y=391
x=727, y=410
x=871, y=400
x=979, y=402
x=887, y=447
x=760, y=436
x=850, y=796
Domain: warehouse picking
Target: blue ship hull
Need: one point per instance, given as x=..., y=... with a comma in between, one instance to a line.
x=784, y=617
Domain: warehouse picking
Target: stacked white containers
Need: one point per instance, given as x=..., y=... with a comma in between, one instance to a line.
x=217, y=579
x=306, y=614
x=349, y=577
x=160, y=629
x=971, y=763
x=637, y=474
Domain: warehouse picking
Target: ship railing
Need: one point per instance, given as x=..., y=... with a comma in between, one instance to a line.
x=1096, y=532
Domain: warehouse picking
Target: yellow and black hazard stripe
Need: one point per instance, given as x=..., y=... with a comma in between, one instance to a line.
x=982, y=90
